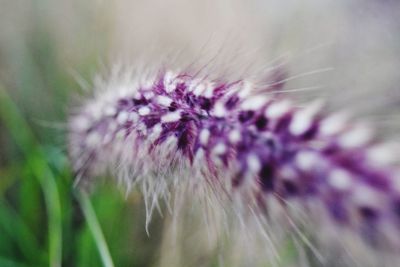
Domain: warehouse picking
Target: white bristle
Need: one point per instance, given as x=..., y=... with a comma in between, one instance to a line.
x=306, y=160
x=383, y=154
x=340, y=179
x=110, y=111
x=355, y=137
x=234, y=136
x=93, y=139
x=204, y=136
x=122, y=117
x=170, y=82
x=245, y=90
x=278, y=109
x=164, y=100
x=148, y=95
x=209, y=91
x=219, y=109
x=254, y=102
x=366, y=196
x=219, y=149
x=303, y=119
x=133, y=116
x=333, y=124
x=143, y=111
x=254, y=163
x=199, y=89
x=80, y=123
x=171, y=117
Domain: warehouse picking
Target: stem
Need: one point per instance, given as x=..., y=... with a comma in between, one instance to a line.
x=95, y=228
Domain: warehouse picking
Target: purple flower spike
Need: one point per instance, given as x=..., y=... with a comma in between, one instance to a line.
x=171, y=127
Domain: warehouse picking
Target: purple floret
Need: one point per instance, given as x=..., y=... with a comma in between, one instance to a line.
x=255, y=138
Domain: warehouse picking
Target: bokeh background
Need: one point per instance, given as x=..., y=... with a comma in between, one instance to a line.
x=49, y=54
x=47, y=48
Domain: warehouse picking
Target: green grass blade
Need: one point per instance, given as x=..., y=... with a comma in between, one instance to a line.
x=95, y=228
x=12, y=223
x=52, y=200
x=27, y=142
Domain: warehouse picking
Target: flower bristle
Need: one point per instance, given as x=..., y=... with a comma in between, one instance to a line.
x=247, y=143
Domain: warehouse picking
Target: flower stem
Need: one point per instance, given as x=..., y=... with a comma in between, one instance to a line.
x=95, y=228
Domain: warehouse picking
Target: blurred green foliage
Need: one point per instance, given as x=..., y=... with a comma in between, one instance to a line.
x=42, y=222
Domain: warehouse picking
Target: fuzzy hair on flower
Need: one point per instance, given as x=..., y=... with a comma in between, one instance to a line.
x=260, y=160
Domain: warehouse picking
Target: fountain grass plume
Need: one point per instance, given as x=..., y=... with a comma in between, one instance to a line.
x=243, y=142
